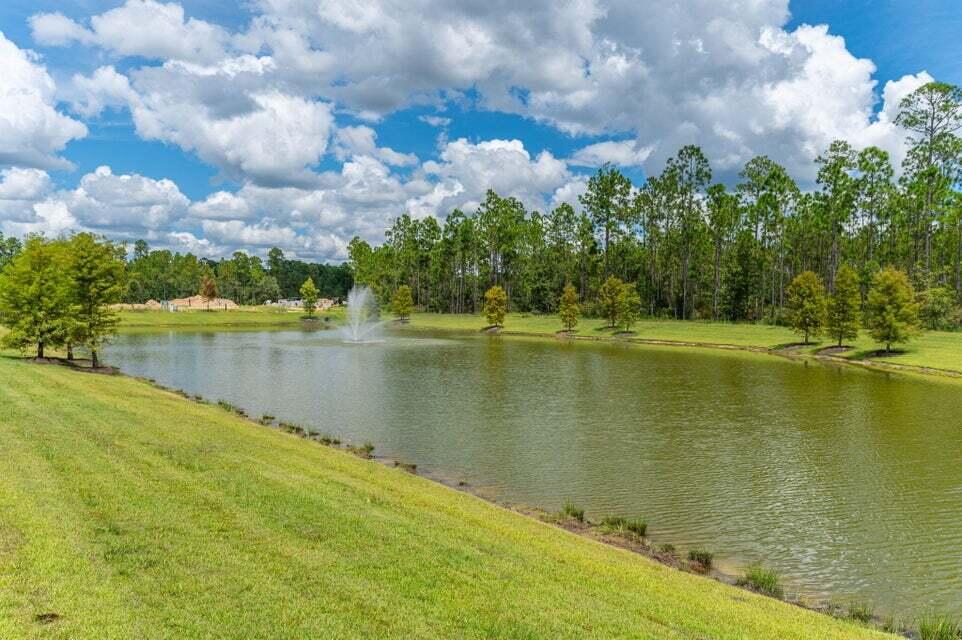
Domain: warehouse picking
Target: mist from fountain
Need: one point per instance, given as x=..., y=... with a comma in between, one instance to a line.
x=362, y=312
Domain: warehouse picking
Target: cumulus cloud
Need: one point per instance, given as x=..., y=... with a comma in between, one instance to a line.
x=137, y=28
x=636, y=79
x=32, y=131
x=119, y=205
x=727, y=76
x=467, y=170
x=362, y=141
x=627, y=153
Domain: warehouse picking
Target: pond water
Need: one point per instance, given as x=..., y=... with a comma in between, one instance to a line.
x=848, y=482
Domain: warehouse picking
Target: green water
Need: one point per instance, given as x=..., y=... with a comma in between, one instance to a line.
x=848, y=482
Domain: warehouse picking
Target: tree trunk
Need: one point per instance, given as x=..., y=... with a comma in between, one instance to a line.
x=40, y=350
x=94, y=362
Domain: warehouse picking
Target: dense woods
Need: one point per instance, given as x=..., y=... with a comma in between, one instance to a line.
x=245, y=279
x=698, y=249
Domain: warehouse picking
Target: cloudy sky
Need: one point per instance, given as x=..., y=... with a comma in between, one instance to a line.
x=206, y=127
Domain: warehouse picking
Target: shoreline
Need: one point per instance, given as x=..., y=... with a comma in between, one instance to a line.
x=586, y=529
x=791, y=352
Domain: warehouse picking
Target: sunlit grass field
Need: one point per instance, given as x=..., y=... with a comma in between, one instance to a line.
x=130, y=512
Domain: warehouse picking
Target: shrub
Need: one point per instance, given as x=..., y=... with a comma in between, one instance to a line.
x=267, y=419
x=764, y=581
x=366, y=450
x=861, y=611
x=936, y=627
x=495, y=306
x=330, y=441
x=569, y=510
x=702, y=557
x=667, y=549
x=636, y=526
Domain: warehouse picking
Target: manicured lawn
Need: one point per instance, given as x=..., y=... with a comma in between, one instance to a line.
x=129, y=512
x=245, y=316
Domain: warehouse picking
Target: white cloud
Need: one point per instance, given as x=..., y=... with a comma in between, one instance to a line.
x=467, y=170
x=435, y=121
x=725, y=75
x=90, y=95
x=137, y=28
x=32, y=131
x=362, y=141
x=626, y=153
x=119, y=205
x=222, y=205
x=275, y=140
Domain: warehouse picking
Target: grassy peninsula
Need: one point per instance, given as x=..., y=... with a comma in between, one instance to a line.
x=128, y=511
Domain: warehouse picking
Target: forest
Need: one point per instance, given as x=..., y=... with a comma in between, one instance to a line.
x=696, y=249
x=245, y=279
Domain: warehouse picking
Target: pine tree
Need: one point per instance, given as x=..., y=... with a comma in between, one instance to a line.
x=608, y=299
x=891, y=313
x=806, y=304
x=568, y=307
x=403, y=302
x=495, y=306
x=843, y=317
x=309, y=296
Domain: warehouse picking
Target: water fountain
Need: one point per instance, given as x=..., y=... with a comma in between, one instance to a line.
x=362, y=325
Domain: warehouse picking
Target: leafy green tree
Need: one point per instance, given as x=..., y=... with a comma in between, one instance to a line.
x=568, y=307
x=891, y=313
x=97, y=281
x=35, y=296
x=628, y=306
x=806, y=304
x=495, y=306
x=403, y=303
x=843, y=318
x=608, y=299
x=309, y=296
x=937, y=309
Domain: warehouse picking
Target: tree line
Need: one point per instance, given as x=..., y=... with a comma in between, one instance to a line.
x=245, y=279
x=692, y=248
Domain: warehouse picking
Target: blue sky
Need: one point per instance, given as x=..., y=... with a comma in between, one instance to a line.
x=557, y=82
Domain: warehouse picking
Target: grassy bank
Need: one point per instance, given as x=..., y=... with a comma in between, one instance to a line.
x=245, y=316
x=126, y=511
x=936, y=349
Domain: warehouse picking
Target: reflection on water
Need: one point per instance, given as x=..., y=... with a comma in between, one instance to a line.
x=846, y=481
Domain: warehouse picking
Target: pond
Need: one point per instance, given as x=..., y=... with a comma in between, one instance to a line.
x=846, y=481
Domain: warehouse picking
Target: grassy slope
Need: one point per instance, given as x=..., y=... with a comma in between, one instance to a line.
x=246, y=316
x=941, y=350
x=131, y=512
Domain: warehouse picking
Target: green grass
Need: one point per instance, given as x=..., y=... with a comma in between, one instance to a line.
x=243, y=317
x=763, y=580
x=130, y=512
x=936, y=349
